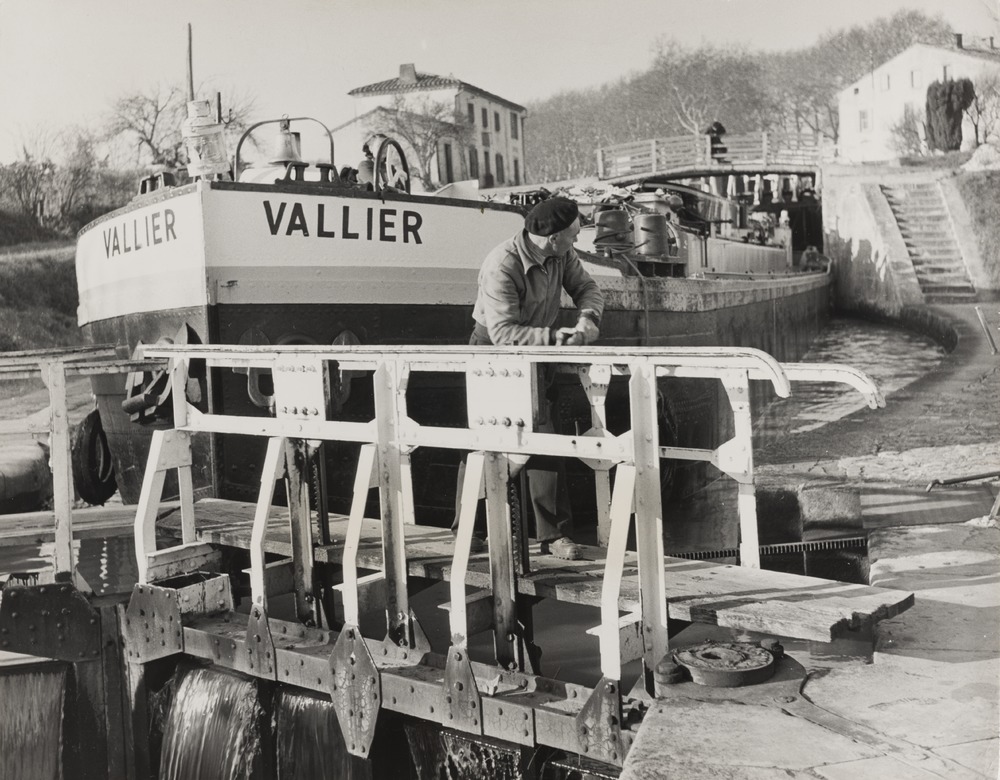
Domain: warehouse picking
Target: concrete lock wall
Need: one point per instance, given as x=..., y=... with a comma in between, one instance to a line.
x=871, y=267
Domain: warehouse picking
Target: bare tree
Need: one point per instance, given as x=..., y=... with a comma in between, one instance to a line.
x=422, y=125
x=152, y=121
x=905, y=135
x=984, y=111
x=24, y=182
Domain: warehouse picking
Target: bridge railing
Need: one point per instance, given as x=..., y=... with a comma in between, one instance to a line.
x=696, y=152
x=503, y=430
x=53, y=367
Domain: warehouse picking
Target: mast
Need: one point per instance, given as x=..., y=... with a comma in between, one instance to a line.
x=190, y=67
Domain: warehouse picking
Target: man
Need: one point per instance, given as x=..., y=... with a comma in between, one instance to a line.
x=520, y=285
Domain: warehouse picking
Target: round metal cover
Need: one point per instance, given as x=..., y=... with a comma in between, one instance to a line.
x=726, y=664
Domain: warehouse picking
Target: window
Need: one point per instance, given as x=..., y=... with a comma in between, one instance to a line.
x=496, y=121
x=522, y=127
x=513, y=126
x=915, y=80
x=472, y=113
x=884, y=82
x=486, y=118
x=517, y=171
x=473, y=163
x=499, y=166
x=449, y=171
x=863, y=121
x=946, y=72
x=487, y=176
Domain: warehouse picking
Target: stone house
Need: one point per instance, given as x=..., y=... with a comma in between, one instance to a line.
x=487, y=145
x=873, y=105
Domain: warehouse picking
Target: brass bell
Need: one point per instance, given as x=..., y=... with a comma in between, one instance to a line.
x=287, y=145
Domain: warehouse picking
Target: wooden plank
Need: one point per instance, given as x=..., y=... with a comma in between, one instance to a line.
x=776, y=603
x=88, y=522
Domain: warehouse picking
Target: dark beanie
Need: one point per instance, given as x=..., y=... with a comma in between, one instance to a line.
x=550, y=216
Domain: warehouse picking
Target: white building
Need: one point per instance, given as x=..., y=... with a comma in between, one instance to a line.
x=492, y=152
x=875, y=103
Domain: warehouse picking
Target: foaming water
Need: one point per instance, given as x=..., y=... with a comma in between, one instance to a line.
x=31, y=704
x=447, y=755
x=213, y=729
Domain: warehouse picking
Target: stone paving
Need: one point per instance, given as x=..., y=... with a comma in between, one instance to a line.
x=927, y=705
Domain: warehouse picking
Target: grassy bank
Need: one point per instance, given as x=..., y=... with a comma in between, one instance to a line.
x=38, y=300
x=980, y=190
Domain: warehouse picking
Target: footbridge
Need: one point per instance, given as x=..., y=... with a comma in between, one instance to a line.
x=743, y=160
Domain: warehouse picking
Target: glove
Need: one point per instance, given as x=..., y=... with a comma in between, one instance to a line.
x=588, y=330
x=569, y=337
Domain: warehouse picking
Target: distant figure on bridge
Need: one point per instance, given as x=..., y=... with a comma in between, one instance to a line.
x=715, y=131
x=520, y=285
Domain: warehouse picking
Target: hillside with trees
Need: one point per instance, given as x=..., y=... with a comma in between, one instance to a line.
x=687, y=88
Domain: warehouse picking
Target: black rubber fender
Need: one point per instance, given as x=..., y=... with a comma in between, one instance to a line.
x=93, y=469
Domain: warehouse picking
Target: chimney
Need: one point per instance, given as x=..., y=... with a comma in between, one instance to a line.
x=958, y=40
x=408, y=73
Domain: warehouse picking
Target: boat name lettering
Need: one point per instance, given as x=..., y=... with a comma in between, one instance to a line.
x=383, y=224
x=131, y=235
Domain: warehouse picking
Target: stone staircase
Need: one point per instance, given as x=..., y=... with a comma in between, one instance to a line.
x=926, y=228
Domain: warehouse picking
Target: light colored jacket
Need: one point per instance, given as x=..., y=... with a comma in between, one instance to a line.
x=520, y=290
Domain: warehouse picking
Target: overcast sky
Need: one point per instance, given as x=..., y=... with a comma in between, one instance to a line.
x=62, y=62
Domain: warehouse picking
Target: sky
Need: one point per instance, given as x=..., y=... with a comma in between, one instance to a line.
x=63, y=62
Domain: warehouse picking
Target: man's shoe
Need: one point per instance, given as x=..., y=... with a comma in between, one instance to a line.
x=563, y=547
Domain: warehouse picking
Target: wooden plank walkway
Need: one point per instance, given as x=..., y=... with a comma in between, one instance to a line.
x=26, y=528
x=731, y=596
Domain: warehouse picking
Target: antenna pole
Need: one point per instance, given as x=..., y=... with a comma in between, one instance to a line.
x=190, y=67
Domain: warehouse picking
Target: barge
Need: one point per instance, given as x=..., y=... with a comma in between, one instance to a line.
x=290, y=253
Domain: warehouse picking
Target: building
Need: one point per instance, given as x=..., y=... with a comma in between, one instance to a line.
x=487, y=144
x=877, y=102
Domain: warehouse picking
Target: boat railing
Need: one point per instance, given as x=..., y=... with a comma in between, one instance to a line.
x=502, y=432
x=54, y=367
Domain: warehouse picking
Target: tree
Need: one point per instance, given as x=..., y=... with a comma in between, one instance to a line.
x=24, y=182
x=946, y=104
x=151, y=121
x=905, y=135
x=422, y=125
x=984, y=111
x=696, y=86
x=805, y=84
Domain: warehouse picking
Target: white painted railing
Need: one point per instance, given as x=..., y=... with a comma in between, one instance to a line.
x=502, y=405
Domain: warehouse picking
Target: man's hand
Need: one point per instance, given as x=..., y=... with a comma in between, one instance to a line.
x=569, y=337
x=588, y=328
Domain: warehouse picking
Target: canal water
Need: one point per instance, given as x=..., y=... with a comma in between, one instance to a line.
x=208, y=736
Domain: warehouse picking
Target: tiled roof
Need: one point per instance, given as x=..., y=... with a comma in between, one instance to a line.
x=426, y=81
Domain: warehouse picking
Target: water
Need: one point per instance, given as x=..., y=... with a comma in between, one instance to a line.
x=31, y=703
x=213, y=730
x=893, y=357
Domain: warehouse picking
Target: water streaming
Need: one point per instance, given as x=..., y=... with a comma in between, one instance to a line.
x=31, y=707
x=213, y=731
x=309, y=742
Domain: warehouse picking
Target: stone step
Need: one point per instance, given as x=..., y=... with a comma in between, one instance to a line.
x=943, y=289
x=911, y=215
x=937, y=244
x=949, y=298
